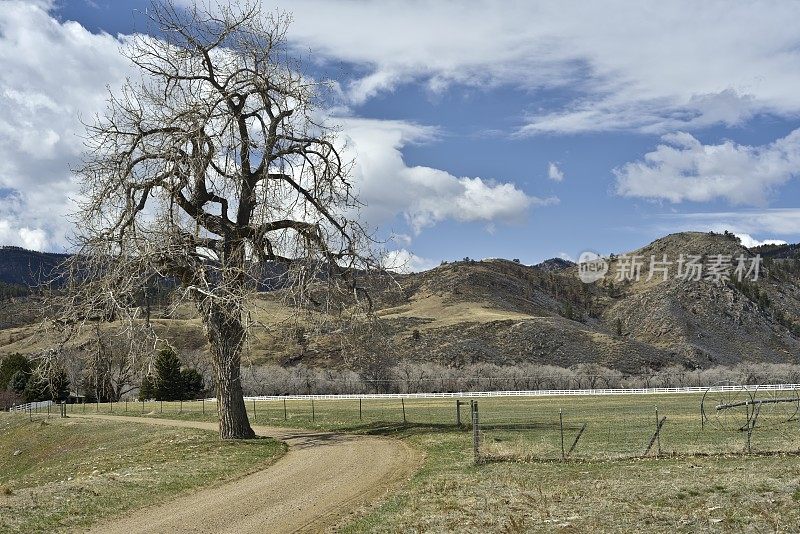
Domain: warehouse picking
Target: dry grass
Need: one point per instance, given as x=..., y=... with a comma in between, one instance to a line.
x=703, y=482
x=62, y=475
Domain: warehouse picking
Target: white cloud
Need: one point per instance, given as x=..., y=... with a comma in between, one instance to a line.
x=53, y=73
x=423, y=195
x=554, y=173
x=682, y=168
x=783, y=222
x=12, y=234
x=650, y=65
x=403, y=261
x=750, y=242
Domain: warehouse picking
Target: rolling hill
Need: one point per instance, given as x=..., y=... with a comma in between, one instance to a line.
x=503, y=312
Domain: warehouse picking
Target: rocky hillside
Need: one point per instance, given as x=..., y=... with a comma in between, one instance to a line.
x=504, y=312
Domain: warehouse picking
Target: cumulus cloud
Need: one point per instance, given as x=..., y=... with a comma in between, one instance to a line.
x=53, y=74
x=683, y=168
x=750, y=242
x=650, y=66
x=423, y=195
x=784, y=222
x=554, y=173
x=404, y=261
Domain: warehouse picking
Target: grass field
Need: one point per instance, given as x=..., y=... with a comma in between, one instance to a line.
x=703, y=480
x=521, y=428
x=61, y=475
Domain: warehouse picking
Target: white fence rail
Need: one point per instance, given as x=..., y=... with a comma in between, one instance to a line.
x=529, y=393
x=31, y=406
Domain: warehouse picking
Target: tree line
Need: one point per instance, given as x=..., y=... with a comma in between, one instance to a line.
x=432, y=378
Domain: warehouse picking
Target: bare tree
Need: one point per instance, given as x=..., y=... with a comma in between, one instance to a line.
x=213, y=172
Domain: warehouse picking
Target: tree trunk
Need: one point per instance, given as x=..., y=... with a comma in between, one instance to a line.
x=226, y=334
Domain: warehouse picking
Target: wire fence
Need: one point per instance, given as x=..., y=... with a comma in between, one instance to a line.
x=726, y=419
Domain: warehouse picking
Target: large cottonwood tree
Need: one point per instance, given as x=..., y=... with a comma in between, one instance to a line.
x=212, y=172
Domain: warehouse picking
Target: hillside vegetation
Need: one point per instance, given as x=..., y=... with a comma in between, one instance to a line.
x=503, y=312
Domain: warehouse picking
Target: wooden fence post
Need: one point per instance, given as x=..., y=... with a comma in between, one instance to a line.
x=658, y=436
x=561, y=427
x=403, y=403
x=655, y=436
x=575, y=443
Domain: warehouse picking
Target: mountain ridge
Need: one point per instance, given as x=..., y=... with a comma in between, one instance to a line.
x=503, y=312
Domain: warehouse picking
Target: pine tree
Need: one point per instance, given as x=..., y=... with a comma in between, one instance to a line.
x=192, y=383
x=146, y=389
x=167, y=383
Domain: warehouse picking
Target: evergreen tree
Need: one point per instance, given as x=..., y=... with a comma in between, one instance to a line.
x=9, y=367
x=192, y=382
x=167, y=383
x=146, y=389
x=19, y=381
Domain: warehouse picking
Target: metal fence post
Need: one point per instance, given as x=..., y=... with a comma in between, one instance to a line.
x=285, y=413
x=561, y=427
x=403, y=404
x=254, y=409
x=360, y=418
x=313, y=417
x=476, y=446
x=458, y=413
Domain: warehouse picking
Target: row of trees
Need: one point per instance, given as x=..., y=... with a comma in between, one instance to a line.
x=25, y=380
x=427, y=377
x=22, y=381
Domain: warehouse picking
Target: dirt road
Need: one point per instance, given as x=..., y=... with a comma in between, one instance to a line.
x=322, y=477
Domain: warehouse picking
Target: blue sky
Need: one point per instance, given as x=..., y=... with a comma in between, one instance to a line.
x=658, y=118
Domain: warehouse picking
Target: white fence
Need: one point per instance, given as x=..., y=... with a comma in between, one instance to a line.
x=34, y=406
x=529, y=393
x=31, y=406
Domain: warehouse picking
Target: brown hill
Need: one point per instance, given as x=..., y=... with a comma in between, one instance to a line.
x=503, y=312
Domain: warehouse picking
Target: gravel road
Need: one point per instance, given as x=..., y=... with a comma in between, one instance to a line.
x=320, y=480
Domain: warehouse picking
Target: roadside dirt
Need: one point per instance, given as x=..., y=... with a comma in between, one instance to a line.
x=323, y=478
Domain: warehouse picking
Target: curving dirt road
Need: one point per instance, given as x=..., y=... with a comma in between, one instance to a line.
x=321, y=478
